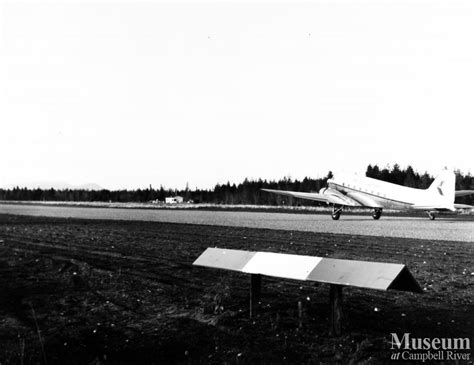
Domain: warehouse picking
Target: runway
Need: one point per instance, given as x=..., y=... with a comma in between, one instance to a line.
x=447, y=228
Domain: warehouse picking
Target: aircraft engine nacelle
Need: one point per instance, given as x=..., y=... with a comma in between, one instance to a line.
x=339, y=197
x=329, y=191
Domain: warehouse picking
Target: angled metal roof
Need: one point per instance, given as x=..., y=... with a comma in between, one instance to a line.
x=363, y=274
x=281, y=265
x=224, y=258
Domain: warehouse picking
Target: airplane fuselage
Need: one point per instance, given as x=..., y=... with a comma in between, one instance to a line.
x=375, y=193
x=361, y=191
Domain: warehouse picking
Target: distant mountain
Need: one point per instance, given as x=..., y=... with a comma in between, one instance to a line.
x=57, y=185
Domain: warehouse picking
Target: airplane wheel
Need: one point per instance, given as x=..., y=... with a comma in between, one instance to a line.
x=431, y=216
x=336, y=212
x=377, y=214
x=335, y=216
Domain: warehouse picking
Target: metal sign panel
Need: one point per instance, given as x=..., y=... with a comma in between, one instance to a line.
x=281, y=265
x=364, y=274
x=224, y=258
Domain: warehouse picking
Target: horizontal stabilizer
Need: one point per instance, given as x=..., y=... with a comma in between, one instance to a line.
x=441, y=208
x=450, y=208
x=463, y=192
x=463, y=206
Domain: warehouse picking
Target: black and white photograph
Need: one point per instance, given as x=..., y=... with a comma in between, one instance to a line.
x=236, y=182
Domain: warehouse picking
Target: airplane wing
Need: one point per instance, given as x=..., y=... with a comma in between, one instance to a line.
x=301, y=195
x=463, y=192
x=364, y=200
x=329, y=198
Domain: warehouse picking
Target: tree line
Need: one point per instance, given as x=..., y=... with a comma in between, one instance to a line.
x=247, y=192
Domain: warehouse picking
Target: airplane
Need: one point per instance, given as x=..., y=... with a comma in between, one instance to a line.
x=358, y=191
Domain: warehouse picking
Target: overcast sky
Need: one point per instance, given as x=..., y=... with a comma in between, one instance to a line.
x=130, y=94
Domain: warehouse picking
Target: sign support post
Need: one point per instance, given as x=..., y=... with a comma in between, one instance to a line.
x=255, y=293
x=335, y=306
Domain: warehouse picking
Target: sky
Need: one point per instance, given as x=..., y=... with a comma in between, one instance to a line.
x=127, y=94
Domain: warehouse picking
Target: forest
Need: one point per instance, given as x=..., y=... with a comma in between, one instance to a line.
x=246, y=192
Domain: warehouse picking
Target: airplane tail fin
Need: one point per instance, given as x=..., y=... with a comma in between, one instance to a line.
x=443, y=187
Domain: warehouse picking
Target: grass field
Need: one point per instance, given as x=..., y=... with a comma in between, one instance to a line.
x=97, y=291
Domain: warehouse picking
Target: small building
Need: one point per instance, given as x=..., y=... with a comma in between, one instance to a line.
x=174, y=200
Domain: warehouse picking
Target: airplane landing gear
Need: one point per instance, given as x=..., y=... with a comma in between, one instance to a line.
x=377, y=213
x=336, y=212
x=431, y=215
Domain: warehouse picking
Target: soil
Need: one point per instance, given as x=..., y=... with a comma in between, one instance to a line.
x=115, y=292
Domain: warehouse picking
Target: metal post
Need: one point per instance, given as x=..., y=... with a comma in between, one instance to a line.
x=255, y=290
x=335, y=315
x=300, y=314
